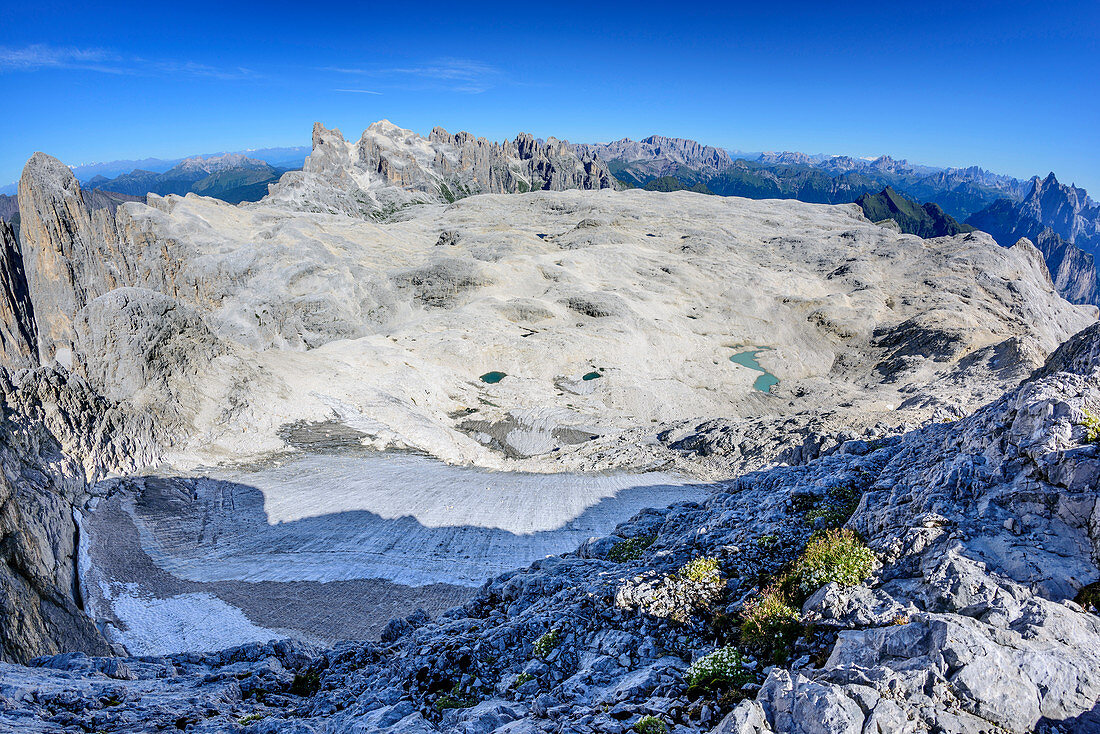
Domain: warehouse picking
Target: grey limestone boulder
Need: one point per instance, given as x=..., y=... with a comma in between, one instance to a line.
x=134, y=340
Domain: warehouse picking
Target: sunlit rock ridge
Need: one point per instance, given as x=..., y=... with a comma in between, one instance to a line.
x=390, y=168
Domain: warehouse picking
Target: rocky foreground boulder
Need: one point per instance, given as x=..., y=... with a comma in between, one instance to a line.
x=941, y=580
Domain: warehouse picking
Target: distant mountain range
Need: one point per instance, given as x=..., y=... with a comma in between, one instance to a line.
x=231, y=177
x=636, y=163
x=287, y=158
x=390, y=168
x=1060, y=220
x=1063, y=222
x=1066, y=210
x=822, y=179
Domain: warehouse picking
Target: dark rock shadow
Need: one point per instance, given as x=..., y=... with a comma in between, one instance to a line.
x=341, y=575
x=1086, y=723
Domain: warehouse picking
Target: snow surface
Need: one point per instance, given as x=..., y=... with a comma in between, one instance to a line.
x=182, y=623
x=405, y=518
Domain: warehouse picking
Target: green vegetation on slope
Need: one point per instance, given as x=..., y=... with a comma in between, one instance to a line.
x=926, y=221
x=237, y=185
x=247, y=182
x=671, y=183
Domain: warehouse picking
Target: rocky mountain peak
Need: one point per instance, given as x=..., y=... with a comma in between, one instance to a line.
x=387, y=128
x=1059, y=194
x=787, y=158
x=214, y=163
x=1050, y=209
x=61, y=241
x=18, y=330
x=392, y=167
x=658, y=155
x=321, y=133
x=887, y=164
x=48, y=175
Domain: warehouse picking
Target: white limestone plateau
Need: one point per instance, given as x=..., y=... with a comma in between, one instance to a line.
x=281, y=317
x=405, y=372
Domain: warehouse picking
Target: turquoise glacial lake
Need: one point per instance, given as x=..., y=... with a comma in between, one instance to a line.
x=748, y=359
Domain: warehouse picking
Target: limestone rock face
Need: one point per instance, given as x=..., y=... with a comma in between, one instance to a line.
x=1063, y=222
x=1067, y=210
x=39, y=597
x=18, y=331
x=391, y=168
x=1072, y=269
x=57, y=437
x=65, y=252
x=321, y=309
x=59, y=434
x=661, y=156
x=1079, y=355
x=475, y=165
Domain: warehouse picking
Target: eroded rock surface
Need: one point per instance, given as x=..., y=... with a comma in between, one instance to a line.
x=282, y=316
x=18, y=330
x=985, y=529
x=560, y=329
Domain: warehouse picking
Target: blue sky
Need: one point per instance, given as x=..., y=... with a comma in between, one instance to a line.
x=1014, y=87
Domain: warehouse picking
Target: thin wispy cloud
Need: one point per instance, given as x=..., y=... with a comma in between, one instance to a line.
x=357, y=91
x=451, y=74
x=462, y=69
x=39, y=56
x=190, y=68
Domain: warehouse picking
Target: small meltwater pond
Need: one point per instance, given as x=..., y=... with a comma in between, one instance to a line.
x=747, y=358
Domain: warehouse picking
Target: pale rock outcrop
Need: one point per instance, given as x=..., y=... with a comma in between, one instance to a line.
x=69, y=252
x=142, y=347
x=391, y=168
